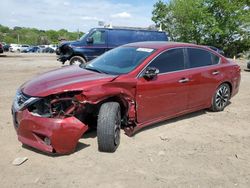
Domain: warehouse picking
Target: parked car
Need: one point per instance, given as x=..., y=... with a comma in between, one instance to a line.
x=129, y=87
x=48, y=50
x=31, y=49
x=248, y=65
x=41, y=48
x=53, y=46
x=6, y=47
x=24, y=47
x=99, y=40
x=1, y=48
x=15, y=48
x=217, y=50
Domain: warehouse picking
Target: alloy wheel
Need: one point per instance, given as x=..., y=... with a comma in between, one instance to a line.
x=222, y=97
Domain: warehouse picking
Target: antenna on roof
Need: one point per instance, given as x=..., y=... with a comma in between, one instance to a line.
x=101, y=23
x=108, y=25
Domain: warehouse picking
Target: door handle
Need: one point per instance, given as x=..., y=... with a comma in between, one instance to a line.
x=215, y=72
x=183, y=80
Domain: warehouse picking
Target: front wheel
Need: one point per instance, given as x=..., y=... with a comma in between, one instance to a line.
x=221, y=98
x=77, y=60
x=108, y=127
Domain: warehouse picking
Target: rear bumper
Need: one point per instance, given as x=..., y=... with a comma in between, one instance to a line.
x=63, y=134
x=236, y=85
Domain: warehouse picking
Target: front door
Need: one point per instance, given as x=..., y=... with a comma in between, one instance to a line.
x=98, y=44
x=166, y=94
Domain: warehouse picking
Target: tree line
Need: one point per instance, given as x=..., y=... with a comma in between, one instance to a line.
x=32, y=36
x=224, y=24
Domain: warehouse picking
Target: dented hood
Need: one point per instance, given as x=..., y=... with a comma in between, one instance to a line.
x=70, y=78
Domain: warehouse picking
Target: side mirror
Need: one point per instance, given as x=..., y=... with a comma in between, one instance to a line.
x=150, y=72
x=90, y=40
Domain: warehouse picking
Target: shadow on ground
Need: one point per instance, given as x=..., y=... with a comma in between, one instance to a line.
x=12, y=56
x=173, y=120
x=79, y=147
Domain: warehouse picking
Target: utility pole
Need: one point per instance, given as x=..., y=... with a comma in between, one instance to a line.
x=17, y=38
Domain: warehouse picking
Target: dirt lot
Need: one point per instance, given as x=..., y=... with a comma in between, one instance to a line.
x=202, y=149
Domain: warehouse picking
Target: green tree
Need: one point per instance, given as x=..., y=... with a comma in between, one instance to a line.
x=34, y=36
x=221, y=23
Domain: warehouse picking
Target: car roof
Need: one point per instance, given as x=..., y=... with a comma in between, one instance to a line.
x=162, y=45
x=128, y=29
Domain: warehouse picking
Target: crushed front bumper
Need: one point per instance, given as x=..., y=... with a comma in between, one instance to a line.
x=63, y=58
x=48, y=134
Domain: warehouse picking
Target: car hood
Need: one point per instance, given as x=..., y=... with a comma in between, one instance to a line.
x=70, y=78
x=74, y=43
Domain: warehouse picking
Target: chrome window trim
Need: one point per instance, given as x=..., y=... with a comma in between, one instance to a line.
x=185, y=54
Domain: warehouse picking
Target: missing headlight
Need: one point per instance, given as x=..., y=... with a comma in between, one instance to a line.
x=60, y=105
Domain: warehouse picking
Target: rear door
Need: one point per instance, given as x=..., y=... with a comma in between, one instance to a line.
x=166, y=94
x=205, y=73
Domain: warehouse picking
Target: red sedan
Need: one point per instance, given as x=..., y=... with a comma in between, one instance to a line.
x=129, y=87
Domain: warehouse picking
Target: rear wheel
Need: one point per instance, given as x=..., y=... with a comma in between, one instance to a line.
x=221, y=98
x=108, y=127
x=248, y=65
x=77, y=60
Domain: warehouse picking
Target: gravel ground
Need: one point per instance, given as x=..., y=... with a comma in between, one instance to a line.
x=202, y=149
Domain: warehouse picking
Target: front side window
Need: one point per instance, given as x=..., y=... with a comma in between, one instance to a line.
x=169, y=61
x=120, y=60
x=200, y=58
x=99, y=37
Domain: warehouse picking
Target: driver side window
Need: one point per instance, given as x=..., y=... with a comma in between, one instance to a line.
x=169, y=61
x=99, y=37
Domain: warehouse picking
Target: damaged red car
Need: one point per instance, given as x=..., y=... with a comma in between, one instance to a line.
x=127, y=88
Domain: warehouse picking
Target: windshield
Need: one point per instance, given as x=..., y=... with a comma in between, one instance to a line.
x=120, y=60
x=82, y=37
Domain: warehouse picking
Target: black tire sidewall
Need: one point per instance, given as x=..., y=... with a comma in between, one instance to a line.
x=106, y=126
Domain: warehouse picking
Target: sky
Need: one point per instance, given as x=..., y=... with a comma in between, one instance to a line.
x=75, y=14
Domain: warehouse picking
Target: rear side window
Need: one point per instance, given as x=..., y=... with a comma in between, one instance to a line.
x=215, y=59
x=120, y=37
x=149, y=36
x=171, y=60
x=200, y=58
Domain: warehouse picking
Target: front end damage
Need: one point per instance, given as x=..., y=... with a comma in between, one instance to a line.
x=64, y=52
x=55, y=123
x=52, y=124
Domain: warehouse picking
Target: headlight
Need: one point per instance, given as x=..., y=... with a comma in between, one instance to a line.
x=21, y=100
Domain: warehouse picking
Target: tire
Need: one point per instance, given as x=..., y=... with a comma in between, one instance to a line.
x=77, y=60
x=248, y=65
x=108, y=127
x=221, y=98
